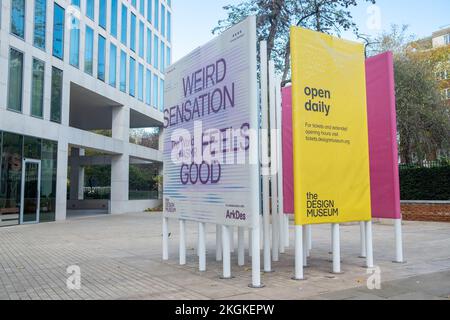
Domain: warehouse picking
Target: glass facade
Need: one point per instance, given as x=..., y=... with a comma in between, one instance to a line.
x=89, y=51
x=133, y=33
x=161, y=95
x=74, y=55
x=13, y=149
x=162, y=54
x=58, y=31
x=18, y=18
x=141, y=39
x=102, y=13
x=156, y=12
x=148, y=87
x=155, y=91
x=113, y=18
x=141, y=82
x=124, y=25
x=112, y=65
x=15, y=80
x=155, y=52
x=149, y=46
x=163, y=20
x=101, y=58
x=132, y=77
x=149, y=11
x=37, y=88
x=123, y=71
x=40, y=12
x=90, y=9
x=57, y=94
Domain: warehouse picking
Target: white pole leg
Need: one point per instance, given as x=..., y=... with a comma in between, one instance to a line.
x=267, y=260
x=250, y=236
x=282, y=229
x=369, y=244
x=165, y=243
x=241, y=246
x=398, y=241
x=336, y=249
x=362, y=228
x=182, y=242
x=218, y=242
x=299, y=253
x=287, y=240
x=256, y=259
x=331, y=244
x=275, y=236
x=261, y=232
x=202, y=247
x=226, y=258
x=308, y=239
x=305, y=246
x=232, y=239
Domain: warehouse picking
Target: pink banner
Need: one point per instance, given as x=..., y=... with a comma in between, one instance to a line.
x=288, y=168
x=385, y=188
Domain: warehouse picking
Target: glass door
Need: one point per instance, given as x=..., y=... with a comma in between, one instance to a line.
x=31, y=191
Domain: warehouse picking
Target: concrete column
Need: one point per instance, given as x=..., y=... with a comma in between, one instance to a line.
x=120, y=164
x=61, y=180
x=76, y=175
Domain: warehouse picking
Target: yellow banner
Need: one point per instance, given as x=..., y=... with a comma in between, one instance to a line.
x=331, y=148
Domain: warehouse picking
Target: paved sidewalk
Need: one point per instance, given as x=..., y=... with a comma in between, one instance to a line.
x=120, y=258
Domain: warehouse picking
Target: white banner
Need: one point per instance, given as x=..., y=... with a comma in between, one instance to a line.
x=211, y=169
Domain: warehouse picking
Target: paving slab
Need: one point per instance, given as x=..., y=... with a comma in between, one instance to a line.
x=120, y=258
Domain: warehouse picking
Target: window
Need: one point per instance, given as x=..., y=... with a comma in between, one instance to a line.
x=89, y=51
x=161, y=95
x=90, y=9
x=133, y=3
x=155, y=91
x=169, y=26
x=155, y=51
x=15, y=80
x=163, y=20
x=18, y=18
x=168, y=57
x=113, y=27
x=58, y=31
x=76, y=3
x=40, y=12
x=102, y=14
x=124, y=29
x=149, y=10
x=447, y=39
x=112, y=65
x=142, y=7
x=148, y=87
x=156, y=20
x=162, y=54
x=37, y=88
x=149, y=46
x=141, y=82
x=74, y=57
x=123, y=71
x=56, y=98
x=101, y=58
x=133, y=33
x=132, y=77
x=141, y=39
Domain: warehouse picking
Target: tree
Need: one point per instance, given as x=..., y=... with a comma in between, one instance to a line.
x=275, y=17
x=423, y=118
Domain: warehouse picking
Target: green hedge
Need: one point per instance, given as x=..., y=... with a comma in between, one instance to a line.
x=425, y=183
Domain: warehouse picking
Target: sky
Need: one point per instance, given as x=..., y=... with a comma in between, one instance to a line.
x=193, y=20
